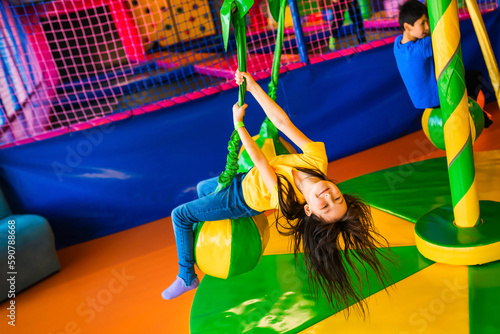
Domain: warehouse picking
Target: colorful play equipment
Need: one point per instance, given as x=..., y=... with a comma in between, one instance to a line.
x=390, y=20
x=484, y=42
x=231, y=233
x=432, y=123
x=467, y=234
x=171, y=21
x=155, y=22
x=90, y=60
x=220, y=247
x=275, y=287
x=230, y=247
x=268, y=139
x=28, y=244
x=478, y=243
x=273, y=303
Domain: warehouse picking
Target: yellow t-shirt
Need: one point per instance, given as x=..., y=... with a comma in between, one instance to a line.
x=254, y=190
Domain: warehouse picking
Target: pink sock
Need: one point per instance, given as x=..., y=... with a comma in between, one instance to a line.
x=178, y=288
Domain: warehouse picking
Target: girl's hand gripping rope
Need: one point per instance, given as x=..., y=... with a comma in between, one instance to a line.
x=239, y=77
x=238, y=112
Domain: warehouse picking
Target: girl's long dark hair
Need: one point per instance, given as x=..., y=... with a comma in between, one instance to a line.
x=331, y=249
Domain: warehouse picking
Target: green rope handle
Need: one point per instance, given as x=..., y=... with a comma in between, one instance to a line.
x=275, y=70
x=273, y=89
x=239, y=24
x=268, y=129
x=231, y=169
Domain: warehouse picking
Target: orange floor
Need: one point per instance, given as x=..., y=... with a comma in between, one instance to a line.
x=113, y=284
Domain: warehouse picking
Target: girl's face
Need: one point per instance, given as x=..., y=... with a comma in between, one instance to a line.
x=325, y=200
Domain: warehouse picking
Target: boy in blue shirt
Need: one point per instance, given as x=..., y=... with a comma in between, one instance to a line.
x=415, y=60
x=414, y=57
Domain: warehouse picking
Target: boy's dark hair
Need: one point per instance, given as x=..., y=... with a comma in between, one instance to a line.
x=410, y=12
x=333, y=251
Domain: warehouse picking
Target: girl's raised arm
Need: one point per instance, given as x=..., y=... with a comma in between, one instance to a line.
x=258, y=158
x=273, y=111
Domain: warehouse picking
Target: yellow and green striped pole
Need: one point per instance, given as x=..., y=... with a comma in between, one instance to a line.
x=450, y=74
x=456, y=234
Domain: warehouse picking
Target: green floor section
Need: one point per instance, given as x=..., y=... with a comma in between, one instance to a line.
x=484, y=298
x=275, y=297
x=406, y=191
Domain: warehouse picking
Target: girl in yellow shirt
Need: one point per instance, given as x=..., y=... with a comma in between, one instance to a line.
x=320, y=218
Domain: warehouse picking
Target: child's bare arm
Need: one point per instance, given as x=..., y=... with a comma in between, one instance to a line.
x=258, y=158
x=277, y=116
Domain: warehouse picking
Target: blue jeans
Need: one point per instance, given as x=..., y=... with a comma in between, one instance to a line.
x=227, y=203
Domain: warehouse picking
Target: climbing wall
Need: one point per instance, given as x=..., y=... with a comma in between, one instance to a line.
x=170, y=21
x=155, y=22
x=193, y=19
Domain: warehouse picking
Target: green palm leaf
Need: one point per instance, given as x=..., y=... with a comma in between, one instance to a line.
x=225, y=18
x=274, y=8
x=243, y=6
x=230, y=7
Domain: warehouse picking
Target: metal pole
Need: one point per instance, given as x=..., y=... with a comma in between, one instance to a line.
x=299, y=33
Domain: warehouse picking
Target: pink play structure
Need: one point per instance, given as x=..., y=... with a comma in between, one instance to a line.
x=71, y=65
